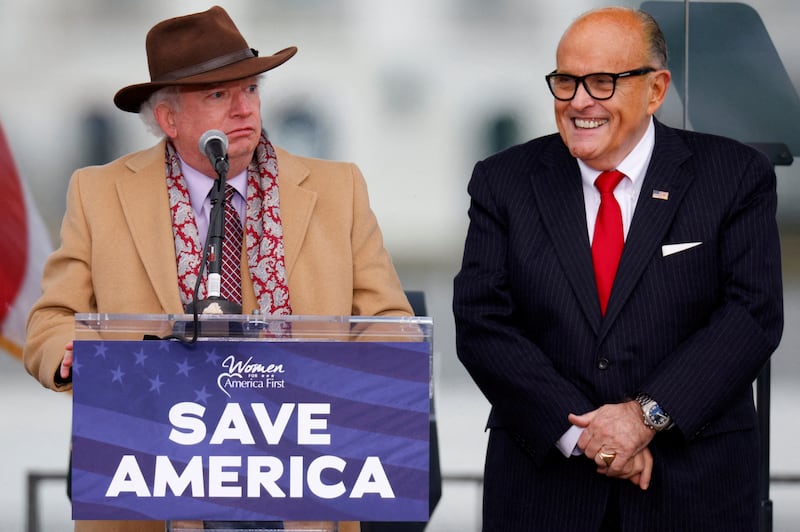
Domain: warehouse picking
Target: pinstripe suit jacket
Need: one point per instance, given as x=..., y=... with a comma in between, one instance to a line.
x=692, y=329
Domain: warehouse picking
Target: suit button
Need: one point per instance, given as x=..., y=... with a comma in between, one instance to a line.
x=603, y=364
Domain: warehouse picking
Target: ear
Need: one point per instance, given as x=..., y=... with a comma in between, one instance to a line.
x=165, y=116
x=658, y=90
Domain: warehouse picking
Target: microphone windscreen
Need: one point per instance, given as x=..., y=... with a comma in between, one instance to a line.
x=211, y=135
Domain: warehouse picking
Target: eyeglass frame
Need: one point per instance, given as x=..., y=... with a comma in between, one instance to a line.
x=581, y=80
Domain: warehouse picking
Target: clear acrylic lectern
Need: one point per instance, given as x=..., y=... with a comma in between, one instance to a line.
x=234, y=422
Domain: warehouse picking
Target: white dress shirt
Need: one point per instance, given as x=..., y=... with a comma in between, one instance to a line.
x=199, y=186
x=634, y=166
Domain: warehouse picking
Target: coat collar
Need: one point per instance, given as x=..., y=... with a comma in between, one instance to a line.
x=297, y=205
x=559, y=196
x=653, y=215
x=560, y=201
x=145, y=205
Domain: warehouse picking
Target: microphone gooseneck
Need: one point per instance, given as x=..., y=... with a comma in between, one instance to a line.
x=214, y=145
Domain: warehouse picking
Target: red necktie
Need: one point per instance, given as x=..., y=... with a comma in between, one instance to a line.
x=608, y=236
x=231, y=283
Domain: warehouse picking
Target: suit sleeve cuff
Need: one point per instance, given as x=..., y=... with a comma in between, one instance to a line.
x=58, y=380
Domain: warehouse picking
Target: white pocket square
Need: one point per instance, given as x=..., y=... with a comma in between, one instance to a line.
x=671, y=249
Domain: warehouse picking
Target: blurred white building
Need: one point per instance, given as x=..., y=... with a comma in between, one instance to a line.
x=415, y=92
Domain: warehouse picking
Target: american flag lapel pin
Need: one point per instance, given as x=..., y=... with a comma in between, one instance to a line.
x=660, y=195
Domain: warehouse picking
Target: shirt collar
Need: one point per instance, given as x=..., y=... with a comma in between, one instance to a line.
x=199, y=184
x=634, y=165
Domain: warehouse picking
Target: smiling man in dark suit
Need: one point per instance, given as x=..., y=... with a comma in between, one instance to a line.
x=619, y=293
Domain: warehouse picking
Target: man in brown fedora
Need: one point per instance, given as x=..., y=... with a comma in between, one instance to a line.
x=133, y=229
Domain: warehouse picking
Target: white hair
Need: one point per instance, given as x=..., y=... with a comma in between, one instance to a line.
x=147, y=112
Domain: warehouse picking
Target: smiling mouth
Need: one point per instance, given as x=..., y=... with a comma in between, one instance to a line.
x=588, y=123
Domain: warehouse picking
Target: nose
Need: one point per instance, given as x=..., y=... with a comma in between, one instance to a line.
x=582, y=98
x=241, y=103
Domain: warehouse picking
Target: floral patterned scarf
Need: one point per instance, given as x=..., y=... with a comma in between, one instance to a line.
x=263, y=231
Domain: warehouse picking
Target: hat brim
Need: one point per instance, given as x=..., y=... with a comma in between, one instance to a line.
x=130, y=98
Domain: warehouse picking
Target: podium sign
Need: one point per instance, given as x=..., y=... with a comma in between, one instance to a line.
x=253, y=427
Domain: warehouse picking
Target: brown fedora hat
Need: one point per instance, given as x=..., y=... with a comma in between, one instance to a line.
x=197, y=49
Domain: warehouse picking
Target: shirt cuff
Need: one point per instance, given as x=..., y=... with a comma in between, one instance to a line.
x=568, y=442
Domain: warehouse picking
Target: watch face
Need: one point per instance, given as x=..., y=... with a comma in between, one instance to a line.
x=657, y=415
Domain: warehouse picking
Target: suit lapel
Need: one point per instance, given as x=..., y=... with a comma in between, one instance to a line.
x=653, y=215
x=297, y=204
x=559, y=196
x=145, y=205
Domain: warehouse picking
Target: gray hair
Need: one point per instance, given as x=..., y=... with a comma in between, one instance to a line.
x=147, y=112
x=655, y=38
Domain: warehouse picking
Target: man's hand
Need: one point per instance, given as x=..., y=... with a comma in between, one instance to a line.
x=617, y=430
x=65, y=371
x=639, y=469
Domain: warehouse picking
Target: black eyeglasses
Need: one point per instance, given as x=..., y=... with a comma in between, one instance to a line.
x=600, y=85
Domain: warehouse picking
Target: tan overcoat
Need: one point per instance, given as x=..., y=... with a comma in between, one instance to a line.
x=117, y=255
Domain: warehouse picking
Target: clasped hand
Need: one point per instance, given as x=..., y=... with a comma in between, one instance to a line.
x=617, y=430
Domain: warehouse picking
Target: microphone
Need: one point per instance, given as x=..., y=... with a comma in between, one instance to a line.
x=214, y=144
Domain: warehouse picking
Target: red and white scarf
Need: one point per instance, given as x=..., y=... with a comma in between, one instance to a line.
x=263, y=231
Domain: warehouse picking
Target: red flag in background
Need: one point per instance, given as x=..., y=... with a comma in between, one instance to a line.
x=24, y=246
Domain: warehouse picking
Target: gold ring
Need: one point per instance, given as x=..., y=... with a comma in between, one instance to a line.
x=607, y=458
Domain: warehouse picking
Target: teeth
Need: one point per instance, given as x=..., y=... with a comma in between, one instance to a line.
x=589, y=123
